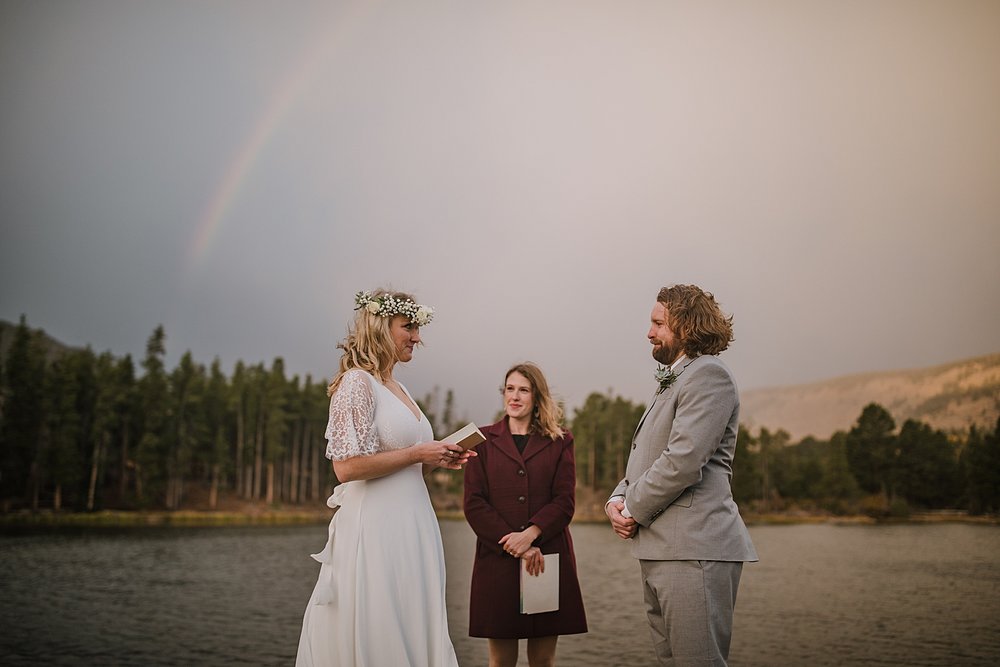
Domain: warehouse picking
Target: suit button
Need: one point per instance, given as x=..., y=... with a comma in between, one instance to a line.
x=521, y=473
x=633, y=445
x=520, y=499
x=523, y=528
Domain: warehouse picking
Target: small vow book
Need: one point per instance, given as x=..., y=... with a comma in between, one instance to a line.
x=466, y=437
x=541, y=593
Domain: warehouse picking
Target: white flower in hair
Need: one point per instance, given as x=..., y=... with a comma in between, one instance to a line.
x=387, y=305
x=424, y=315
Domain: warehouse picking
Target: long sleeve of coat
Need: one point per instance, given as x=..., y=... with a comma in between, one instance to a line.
x=553, y=517
x=486, y=522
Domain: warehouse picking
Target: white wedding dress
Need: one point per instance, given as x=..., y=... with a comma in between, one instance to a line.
x=380, y=597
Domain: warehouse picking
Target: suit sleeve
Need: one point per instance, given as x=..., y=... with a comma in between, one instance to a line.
x=556, y=514
x=705, y=403
x=485, y=521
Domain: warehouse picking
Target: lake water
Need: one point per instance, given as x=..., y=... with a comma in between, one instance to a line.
x=821, y=595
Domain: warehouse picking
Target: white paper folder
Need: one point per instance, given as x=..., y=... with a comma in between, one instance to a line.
x=540, y=594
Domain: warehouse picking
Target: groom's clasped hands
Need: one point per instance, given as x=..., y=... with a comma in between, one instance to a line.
x=623, y=526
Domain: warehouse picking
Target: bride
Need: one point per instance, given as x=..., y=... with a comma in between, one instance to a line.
x=380, y=596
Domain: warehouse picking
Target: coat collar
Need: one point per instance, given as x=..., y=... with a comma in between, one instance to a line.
x=504, y=441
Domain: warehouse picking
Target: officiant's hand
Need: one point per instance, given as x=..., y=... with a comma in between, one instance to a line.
x=534, y=561
x=517, y=544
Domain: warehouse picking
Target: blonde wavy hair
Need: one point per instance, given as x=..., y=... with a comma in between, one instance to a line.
x=547, y=415
x=369, y=345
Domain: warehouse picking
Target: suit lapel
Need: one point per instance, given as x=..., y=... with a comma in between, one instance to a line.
x=663, y=395
x=652, y=403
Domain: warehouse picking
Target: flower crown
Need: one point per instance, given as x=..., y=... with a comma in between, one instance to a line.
x=387, y=305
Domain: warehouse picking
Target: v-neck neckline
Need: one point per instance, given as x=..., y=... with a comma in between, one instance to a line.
x=418, y=415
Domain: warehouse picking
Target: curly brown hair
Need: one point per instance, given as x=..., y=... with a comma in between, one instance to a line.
x=696, y=319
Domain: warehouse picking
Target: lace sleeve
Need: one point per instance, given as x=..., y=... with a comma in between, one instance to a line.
x=351, y=429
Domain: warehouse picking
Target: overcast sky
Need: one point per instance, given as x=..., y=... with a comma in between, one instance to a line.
x=535, y=171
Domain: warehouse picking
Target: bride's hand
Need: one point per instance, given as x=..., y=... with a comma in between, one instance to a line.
x=442, y=455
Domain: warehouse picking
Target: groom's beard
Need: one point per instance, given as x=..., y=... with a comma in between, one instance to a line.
x=667, y=355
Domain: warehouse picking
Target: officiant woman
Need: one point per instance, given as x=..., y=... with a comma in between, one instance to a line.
x=519, y=500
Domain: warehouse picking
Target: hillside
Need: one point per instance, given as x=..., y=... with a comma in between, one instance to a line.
x=949, y=397
x=53, y=348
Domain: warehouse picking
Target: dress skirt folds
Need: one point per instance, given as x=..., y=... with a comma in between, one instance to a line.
x=380, y=596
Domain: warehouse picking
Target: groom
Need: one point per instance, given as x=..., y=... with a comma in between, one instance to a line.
x=675, y=503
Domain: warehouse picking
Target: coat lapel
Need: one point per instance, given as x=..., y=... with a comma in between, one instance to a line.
x=536, y=443
x=505, y=441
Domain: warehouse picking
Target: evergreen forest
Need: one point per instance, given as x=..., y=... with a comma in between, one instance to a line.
x=82, y=431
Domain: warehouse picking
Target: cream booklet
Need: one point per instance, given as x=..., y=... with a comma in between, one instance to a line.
x=466, y=437
x=541, y=593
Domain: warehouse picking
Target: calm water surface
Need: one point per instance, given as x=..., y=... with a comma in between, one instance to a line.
x=821, y=595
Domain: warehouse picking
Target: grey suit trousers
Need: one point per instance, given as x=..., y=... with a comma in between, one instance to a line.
x=684, y=598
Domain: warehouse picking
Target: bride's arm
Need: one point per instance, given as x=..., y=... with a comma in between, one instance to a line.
x=431, y=454
x=352, y=438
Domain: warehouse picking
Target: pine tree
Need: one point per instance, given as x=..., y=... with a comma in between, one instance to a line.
x=238, y=407
x=276, y=427
x=871, y=449
x=127, y=408
x=106, y=418
x=837, y=483
x=217, y=417
x=926, y=472
x=189, y=431
x=770, y=450
x=746, y=482
x=154, y=445
x=602, y=432
x=70, y=411
x=23, y=418
x=981, y=462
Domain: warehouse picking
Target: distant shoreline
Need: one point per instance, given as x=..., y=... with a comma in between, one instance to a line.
x=279, y=516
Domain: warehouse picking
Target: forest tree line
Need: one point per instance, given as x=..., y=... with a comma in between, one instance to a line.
x=86, y=431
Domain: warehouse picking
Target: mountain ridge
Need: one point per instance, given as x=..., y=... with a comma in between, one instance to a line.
x=951, y=397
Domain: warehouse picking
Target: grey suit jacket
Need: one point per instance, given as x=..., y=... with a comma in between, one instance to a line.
x=677, y=482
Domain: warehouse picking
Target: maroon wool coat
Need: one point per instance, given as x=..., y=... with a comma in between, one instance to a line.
x=506, y=491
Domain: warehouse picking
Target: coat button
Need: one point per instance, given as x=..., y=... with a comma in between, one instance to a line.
x=521, y=473
x=520, y=499
x=523, y=528
x=633, y=445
